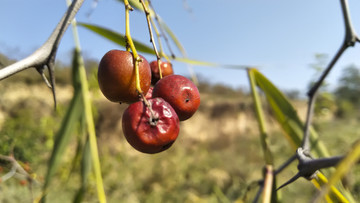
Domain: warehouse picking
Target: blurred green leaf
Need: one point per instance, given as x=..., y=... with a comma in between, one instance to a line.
x=291, y=124
x=344, y=166
x=62, y=138
x=287, y=116
x=208, y=64
x=75, y=71
x=260, y=120
x=85, y=171
x=118, y=38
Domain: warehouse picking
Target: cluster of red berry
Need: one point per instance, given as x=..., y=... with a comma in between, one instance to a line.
x=151, y=123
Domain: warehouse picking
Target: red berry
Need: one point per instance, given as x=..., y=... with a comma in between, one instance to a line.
x=180, y=93
x=166, y=69
x=116, y=76
x=149, y=133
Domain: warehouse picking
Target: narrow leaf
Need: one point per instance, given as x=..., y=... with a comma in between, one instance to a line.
x=85, y=171
x=287, y=116
x=62, y=138
x=209, y=64
x=86, y=102
x=344, y=166
x=260, y=120
x=291, y=124
x=117, y=38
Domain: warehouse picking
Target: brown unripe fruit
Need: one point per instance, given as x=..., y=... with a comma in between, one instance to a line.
x=147, y=132
x=116, y=76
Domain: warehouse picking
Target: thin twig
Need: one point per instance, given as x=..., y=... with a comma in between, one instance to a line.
x=147, y=14
x=158, y=36
x=312, y=98
x=286, y=164
x=16, y=167
x=350, y=39
x=257, y=196
x=162, y=31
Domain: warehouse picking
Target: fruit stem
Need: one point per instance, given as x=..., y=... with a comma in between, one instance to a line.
x=158, y=36
x=153, y=119
x=147, y=15
x=157, y=19
x=159, y=67
x=130, y=44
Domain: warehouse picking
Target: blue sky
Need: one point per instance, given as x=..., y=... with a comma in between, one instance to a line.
x=280, y=37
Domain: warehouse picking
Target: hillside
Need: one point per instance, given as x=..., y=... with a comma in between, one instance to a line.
x=217, y=150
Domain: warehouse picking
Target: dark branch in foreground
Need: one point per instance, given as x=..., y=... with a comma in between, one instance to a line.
x=44, y=57
x=308, y=167
x=350, y=39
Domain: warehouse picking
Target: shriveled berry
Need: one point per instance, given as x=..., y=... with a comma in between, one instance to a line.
x=150, y=131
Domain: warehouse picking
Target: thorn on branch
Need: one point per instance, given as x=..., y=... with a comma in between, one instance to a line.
x=45, y=55
x=51, y=83
x=309, y=167
x=40, y=70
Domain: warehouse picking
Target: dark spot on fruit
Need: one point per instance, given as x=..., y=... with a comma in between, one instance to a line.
x=153, y=121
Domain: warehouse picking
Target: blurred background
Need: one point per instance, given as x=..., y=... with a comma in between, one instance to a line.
x=217, y=156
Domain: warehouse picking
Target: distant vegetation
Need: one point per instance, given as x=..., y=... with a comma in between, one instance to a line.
x=214, y=170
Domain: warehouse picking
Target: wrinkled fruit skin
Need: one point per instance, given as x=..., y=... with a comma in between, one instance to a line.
x=146, y=137
x=180, y=93
x=116, y=76
x=166, y=69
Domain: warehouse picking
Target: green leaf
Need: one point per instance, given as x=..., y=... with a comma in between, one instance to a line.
x=292, y=126
x=62, y=138
x=344, y=166
x=117, y=38
x=287, y=116
x=260, y=120
x=85, y=171
x=209, y=64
